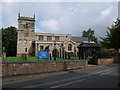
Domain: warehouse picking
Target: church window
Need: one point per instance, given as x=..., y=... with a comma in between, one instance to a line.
x=49, y=38
x=56, y=38
x=26, y=25
x=25, y=49
x=41, y=37
x=69, y=47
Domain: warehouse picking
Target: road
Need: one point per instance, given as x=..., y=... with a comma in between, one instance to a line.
x=103, y=77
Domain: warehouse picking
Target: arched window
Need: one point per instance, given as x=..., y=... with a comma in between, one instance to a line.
x=69, y=47
x=25, y=49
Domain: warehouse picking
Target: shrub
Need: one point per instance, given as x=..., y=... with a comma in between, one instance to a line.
x=104, y=53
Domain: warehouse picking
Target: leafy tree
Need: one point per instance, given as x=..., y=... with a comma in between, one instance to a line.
x=9, y=40
x=112, y=39
x=90, y=34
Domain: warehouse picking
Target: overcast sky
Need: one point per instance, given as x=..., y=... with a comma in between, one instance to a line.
x=62, y=17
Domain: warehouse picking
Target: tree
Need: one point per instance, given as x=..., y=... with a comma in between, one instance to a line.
x=90, y=34
x=9, y=40
x=112, y=39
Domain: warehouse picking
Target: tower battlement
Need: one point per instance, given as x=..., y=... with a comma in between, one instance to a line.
x=26, y=18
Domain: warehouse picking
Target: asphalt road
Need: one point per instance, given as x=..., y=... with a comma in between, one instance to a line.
x=104, y=77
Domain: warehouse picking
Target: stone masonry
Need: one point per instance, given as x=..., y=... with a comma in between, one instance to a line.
x=29, y=42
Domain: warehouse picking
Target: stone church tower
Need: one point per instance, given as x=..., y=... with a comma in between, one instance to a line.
x=26, y=36
x=29, y=42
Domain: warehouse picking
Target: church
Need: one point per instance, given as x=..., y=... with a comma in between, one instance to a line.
x=29, y=42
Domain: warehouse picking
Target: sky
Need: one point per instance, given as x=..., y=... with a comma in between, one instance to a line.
x=62, y=17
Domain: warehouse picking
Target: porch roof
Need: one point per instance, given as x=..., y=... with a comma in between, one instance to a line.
x=88, y=45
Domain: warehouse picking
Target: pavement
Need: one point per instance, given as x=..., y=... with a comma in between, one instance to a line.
x=18, y=78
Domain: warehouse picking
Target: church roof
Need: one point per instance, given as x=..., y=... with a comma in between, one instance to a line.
x=88, y=45
x=79, y=39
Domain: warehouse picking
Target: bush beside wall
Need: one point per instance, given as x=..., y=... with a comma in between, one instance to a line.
x=104, y=53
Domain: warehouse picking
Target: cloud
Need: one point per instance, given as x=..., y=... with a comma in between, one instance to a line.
x=59, y=0
x=106, y=12
x=63, y=17
x=9, y=15
x=0, y=15
x=37, y=30
x=49, y=25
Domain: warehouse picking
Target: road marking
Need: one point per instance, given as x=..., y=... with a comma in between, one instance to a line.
x=103, y=71
x=67, y=83
x=55, y=82
x=48, y=83
x=76, y=77
x=64, y=80
x=108, y=72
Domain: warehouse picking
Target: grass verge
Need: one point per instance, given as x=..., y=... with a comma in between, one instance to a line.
x=19, y=59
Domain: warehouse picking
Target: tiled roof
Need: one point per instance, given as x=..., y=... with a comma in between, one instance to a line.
x=88, y=45
x=79, y=39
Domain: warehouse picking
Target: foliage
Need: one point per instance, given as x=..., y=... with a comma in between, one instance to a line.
x=9, y=40
x=90, y=57
x=104, y=53
x=90, y=34
x=112, y=39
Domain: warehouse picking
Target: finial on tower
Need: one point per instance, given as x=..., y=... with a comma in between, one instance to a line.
x=34, y=15
x=19, y=14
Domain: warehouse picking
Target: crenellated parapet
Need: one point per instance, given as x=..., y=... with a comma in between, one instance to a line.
x=26, y=18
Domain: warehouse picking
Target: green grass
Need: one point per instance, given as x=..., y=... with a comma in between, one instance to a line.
x=19, y=59
x=90, y=57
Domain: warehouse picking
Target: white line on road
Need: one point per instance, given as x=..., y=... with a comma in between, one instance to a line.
x=108, y=72
x=67, y=83
x=48, y=83
x=103, y=71
x=77, y=77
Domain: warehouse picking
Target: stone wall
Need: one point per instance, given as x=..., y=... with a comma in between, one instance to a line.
x=106, y=61
x=20, y=68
